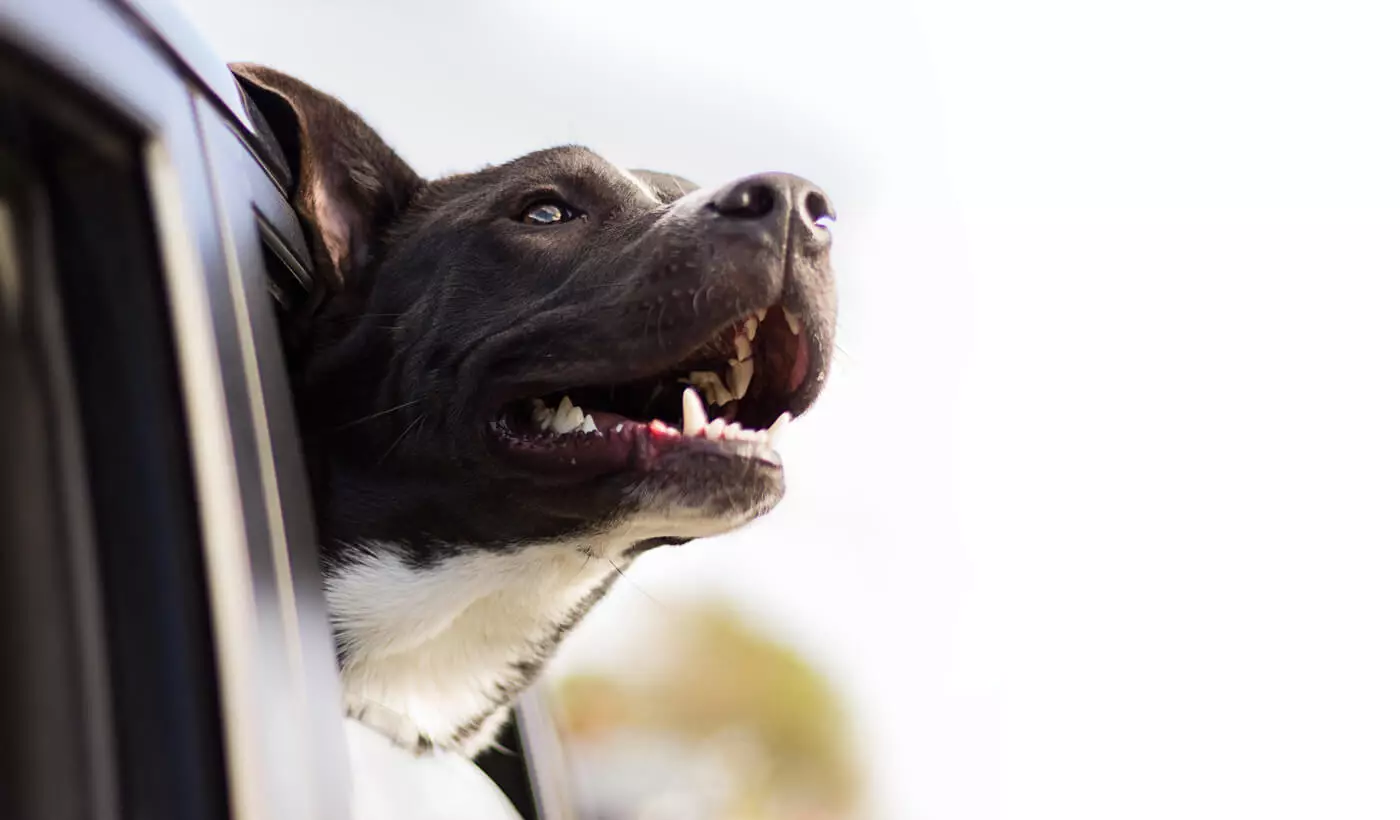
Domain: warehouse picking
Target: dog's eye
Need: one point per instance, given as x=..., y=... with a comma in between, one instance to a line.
x=547, y=213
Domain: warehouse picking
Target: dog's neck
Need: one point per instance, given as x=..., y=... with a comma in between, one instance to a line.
x=435, y=655
x=432, y=656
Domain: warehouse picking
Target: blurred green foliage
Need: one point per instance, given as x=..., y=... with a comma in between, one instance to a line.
x=709, y=673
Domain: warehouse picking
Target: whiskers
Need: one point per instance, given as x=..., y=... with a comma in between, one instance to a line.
x=375, y=415
x=638, y=586
x=590, y=555
x=406, y=430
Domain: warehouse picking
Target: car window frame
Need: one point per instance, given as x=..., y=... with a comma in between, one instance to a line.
x=216, y=208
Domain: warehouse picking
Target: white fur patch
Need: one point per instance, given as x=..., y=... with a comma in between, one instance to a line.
x=429, y=650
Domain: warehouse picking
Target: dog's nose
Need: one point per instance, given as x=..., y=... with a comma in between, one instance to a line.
x=772, y=199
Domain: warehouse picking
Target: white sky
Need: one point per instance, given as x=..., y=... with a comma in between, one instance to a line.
x=1100, y=517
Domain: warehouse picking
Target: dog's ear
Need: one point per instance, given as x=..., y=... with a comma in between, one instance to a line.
x=349, y=185
x=669, y=187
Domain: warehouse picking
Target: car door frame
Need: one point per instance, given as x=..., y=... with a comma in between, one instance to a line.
x=217, y=211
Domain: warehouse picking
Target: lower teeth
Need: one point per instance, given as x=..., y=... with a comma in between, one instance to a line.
x=568, y=418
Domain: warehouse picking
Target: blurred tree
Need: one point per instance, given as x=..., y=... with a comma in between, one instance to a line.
x=723, y=688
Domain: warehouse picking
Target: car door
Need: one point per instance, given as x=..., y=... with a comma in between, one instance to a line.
x=169, y=650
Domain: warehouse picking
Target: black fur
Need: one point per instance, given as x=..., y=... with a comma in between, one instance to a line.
x=438, y=307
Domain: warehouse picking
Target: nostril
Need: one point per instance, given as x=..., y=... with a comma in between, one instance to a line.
x=752, y=201
x=819, y=210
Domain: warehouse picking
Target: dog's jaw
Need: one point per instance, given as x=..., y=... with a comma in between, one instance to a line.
x=433, y=657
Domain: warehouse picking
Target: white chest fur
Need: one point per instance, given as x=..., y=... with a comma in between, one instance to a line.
x=439, y=652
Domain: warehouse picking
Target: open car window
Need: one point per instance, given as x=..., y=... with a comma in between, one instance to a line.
x=161, y=581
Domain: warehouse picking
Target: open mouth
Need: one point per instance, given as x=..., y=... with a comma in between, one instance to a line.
x=729, y=398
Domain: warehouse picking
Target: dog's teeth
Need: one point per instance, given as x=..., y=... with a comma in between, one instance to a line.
x=776, y=428
x=567, y=418
x=750, y=329
x=703, y=383
x=693, y=412
x=793, y=323
x=541, y=415
x=743, y=350
x=761, y=313
x=589, y=426
x=715, y=429
x=618, y=428
x=740, y=377
x=735, y=430
x=715, y=390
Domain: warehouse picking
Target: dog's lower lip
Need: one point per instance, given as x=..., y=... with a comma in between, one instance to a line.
x=625, y=445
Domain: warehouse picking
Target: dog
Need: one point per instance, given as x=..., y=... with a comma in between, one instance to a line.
x=511, y=383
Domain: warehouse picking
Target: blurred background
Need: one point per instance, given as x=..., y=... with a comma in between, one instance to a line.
x=1100, y=515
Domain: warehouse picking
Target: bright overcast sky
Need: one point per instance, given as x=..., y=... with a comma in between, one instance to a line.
x=1100, y=517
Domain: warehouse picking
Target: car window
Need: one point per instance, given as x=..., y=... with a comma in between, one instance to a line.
x=167, y=587
x=112, y=707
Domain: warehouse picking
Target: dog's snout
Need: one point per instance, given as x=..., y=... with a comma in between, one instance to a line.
x=772, y=199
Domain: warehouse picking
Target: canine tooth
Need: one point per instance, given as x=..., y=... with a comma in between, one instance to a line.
x=693, y=412
x=740, y=377
x=743, y=350
x=750, y=328
x=761, y=313
x=776, y=428
x=589, y=425
x=793, y=323
x=715, y=429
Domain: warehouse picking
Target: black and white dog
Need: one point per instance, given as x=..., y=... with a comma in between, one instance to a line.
x=520, y=379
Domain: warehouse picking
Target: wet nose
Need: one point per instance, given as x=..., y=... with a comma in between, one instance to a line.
x=771, y=200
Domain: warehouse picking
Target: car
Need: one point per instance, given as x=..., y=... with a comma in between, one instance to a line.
x=167, y=649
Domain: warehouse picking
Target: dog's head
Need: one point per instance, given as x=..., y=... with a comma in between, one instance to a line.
x=546, y=348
